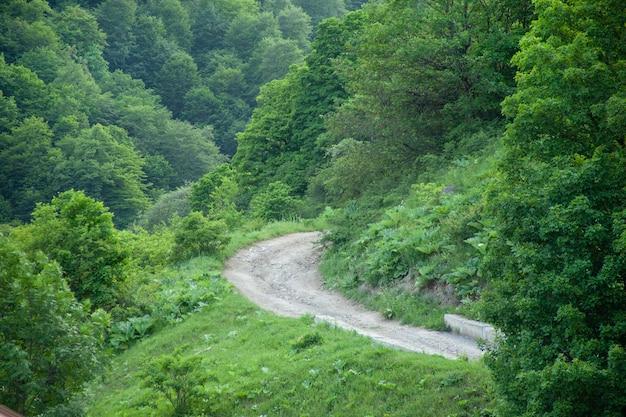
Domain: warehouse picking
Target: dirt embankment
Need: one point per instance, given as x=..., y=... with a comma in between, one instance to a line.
x=281, y=275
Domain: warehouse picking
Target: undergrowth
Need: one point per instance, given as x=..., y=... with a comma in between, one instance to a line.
x=421, y=258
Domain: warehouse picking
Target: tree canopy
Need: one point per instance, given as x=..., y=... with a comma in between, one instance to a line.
x=180, y=78
x=49, y=344
x=558, y=263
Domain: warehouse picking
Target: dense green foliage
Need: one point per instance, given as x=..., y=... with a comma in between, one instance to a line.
x=558, y=263
x=381, y=111
x=49, y=344
x=71, y=116
x=179, y=379
x=280, y=144
x=78, y=233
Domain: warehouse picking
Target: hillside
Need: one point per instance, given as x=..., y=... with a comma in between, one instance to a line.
x=458, y=156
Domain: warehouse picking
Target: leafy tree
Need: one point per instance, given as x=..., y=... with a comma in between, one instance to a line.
x=176, y=20
x=247, y=30
x=216, y=194
x=423, y=80
x=23, y=27
x=322, y=9
x=267, y=136
x=223, y=203
x=281, y=142
x=29, y=167
x=78, y=94
x=79, y=28
x=172, y=147
x=45, y=62
x=150, y=50
x=102, y=162
x=49, y=345
x=116, y=18
x=189, y=150
x=353, y=167
x=31, y=95
x=178, y=75
x=432, y=72
x=274, y=6
x=202, y=107
x=166, y=208
x=271, y=60
x=159, y=172
x=354, y=4
x=200, y=196
x=211, y=20
x=558, y=264
x=228, y=80
x=8, y=113
x=275, y=203
x=77, y=232
x=295, y=24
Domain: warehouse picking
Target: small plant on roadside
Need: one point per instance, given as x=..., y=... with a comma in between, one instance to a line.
x=135, y=328
x=307, y=341
x=179, y=379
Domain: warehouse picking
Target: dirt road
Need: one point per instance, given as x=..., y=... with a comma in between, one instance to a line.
x=281, y=275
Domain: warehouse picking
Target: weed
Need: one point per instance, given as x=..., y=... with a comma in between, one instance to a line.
x=307, y=341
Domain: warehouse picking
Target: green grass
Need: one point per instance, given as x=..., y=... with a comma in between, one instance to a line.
x=264, y=365
x=261, y=364
x=393, y=302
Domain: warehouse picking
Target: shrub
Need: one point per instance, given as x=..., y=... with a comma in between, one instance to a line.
x=196, y=235
x=179, y=379
x=275, y=203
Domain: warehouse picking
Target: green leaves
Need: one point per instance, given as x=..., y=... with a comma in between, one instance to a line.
x=558, y=292
x=196, y=235
x=78, y=233
x=103, y=163
x=49, y=346
x=179, y=379
x=275, y=203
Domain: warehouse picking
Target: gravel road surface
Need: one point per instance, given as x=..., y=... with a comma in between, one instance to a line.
x=281, y=275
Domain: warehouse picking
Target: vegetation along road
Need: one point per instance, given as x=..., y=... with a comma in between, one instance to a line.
x=281, y=275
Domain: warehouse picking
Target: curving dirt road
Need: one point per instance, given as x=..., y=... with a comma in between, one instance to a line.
x=281, y=275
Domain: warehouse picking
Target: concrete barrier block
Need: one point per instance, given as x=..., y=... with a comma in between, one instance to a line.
x=470, y=328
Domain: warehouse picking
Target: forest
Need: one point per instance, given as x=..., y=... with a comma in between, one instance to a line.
x=460, y=156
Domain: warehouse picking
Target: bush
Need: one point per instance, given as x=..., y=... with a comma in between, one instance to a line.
x=179, y=379
x=196, y=235
x=275, y=203
x=77, y=232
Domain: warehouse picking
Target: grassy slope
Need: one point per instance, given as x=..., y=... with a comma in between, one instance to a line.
x=257, y=370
